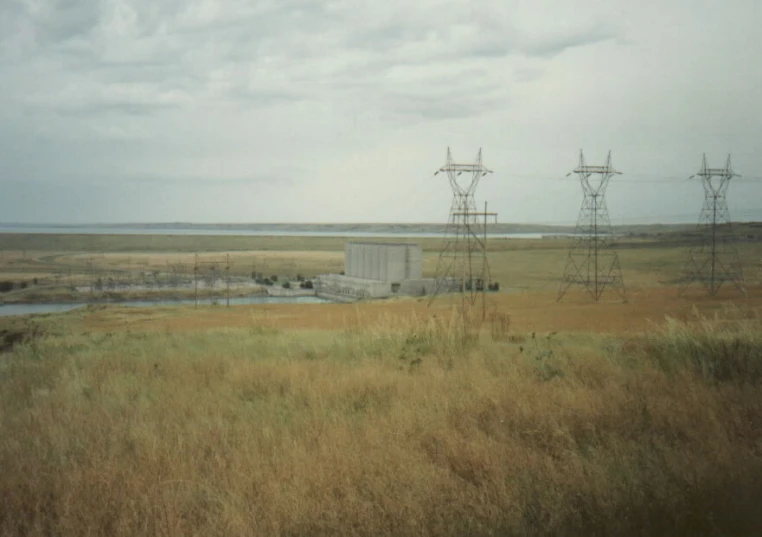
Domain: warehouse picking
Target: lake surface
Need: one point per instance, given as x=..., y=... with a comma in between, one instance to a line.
x=27, y=309
x=248, y=232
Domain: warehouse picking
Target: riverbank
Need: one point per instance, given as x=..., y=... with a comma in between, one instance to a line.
x=62, y=294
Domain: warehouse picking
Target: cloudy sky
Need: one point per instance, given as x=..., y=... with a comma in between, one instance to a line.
x=341, y=111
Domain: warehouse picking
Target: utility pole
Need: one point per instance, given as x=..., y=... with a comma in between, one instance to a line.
x=92, y=278
x=484, y=265
x=195, y=281
x=227, y=279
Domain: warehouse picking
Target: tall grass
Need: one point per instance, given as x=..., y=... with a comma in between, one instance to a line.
x=717, y=350
x=396, y=429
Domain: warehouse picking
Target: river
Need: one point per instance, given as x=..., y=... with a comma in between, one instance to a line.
x=50, y=307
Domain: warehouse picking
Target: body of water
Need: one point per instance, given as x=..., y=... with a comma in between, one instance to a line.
x=27, y=309
x=249, y=232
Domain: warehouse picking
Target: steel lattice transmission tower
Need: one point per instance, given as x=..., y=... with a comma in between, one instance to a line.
x=714, y=260
x=462, y=265
x=592, y=262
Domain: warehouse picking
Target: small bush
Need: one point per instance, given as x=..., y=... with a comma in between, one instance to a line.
x=286, y=285
x=6, y=286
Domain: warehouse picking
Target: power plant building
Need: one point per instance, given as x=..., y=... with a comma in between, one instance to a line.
x=377, y=270
x=383, y=262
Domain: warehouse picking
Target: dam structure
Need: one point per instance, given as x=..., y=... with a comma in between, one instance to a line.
x=375, y=270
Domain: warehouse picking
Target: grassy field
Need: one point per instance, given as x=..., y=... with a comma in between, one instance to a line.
x=64, y=261
x=398, y=417
x=120, y=421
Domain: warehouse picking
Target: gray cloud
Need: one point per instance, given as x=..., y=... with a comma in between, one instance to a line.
x=206, y=95
x=561, y=42
x=557, y=43
x=209, y=182
x=118, y=108
x=63, y=20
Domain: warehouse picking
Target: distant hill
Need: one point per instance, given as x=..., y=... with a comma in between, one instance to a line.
x=644, y=230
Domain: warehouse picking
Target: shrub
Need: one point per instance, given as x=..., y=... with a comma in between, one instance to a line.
x=286, y=285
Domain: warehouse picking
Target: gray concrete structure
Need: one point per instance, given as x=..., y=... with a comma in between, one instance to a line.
x=377, y=270
x=347, y=289
x=383, y=261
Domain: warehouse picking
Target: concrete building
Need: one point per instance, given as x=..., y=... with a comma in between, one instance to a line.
x=383, y=262
x=377, y=270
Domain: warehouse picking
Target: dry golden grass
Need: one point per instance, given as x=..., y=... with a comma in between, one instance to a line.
x=529, y=312
x=393, y=425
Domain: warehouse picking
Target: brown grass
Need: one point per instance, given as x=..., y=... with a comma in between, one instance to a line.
x=390, y=426
x=529, y=312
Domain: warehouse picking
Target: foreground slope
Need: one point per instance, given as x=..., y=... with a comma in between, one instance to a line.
x=382, y=420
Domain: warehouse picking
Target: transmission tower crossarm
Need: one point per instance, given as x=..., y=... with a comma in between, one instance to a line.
x=455, y=167
x=475, y=214
x=596, y=169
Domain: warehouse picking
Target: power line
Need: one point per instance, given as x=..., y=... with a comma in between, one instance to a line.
x=633, y=178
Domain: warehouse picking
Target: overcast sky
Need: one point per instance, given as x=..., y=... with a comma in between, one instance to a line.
x=341, y=111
